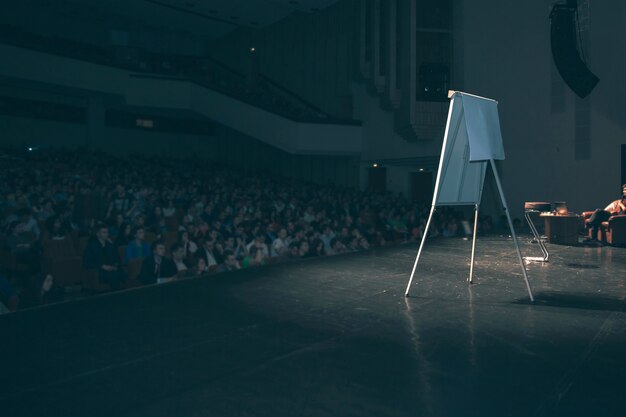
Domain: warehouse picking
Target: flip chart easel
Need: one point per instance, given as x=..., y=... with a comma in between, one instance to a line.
x=472, y=139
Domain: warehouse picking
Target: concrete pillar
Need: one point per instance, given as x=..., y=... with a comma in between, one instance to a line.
x=392, y=86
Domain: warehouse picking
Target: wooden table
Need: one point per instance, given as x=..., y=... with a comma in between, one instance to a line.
x=562, y=229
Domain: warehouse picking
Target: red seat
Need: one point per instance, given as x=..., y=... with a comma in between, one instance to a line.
x=61, y=260
x=91, y=282
x=133, y=269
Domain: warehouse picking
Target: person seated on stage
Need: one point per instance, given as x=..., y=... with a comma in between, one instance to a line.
x=616, y=207
x=101, y=256
x=157, y=268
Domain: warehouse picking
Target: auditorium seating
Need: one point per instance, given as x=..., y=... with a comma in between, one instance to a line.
x=230, y=207
x=132, y=269
x=62, y=261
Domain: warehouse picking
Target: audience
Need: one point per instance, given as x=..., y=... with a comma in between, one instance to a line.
x=212, y=218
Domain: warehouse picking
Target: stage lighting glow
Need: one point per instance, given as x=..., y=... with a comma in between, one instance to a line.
x=375, y=165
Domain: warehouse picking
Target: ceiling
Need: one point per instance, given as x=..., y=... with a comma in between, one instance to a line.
x=209, y=19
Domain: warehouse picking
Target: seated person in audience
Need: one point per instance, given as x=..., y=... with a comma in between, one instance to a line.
x=259, y=242
x=230, y=262
x=397, y=224
x=24, y=248
x=101, y=256
x=8, y=296
x=137, y=248
x=46, y=211
x=327, y=237
x=280, y=246
x=120, y=202
x=200, y=268
x=28, y=223
x=178, y=256
x=294, y=250
x=614, y=208
x=353, y=244
x=450, y=229
x=41, y=291
x=254, y=258
x=336, y=247
x=209, y=254
x=124, y=236
x=318, y=247
x=157, y=268
x=56, y=230
x=155, y=215
x=485, y=225
x=240, y=250
x=304, y=251
x=189, y=246
x=169, y=210
x=116, y=226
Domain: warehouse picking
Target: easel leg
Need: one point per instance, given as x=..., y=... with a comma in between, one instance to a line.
x=419, y=251
x=471, y=274
x=508, y=216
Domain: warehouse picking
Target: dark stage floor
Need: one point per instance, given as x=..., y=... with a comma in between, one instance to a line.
x=336, y=337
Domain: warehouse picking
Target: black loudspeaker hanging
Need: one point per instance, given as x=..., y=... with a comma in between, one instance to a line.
x=563, y=39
